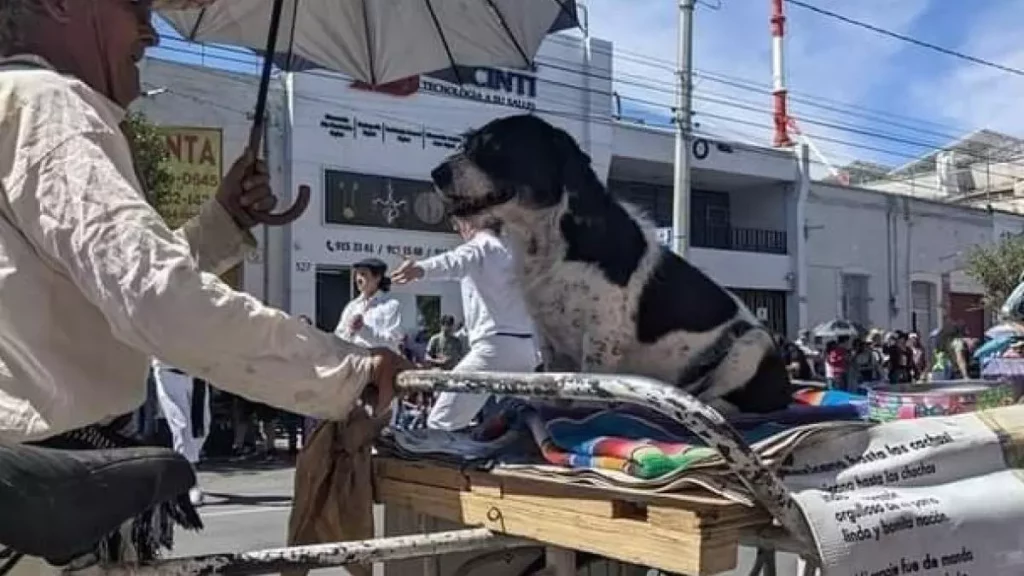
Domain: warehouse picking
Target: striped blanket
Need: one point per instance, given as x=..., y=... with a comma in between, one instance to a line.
x=622, y=443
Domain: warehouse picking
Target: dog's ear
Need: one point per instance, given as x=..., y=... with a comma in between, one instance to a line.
x=574, y=163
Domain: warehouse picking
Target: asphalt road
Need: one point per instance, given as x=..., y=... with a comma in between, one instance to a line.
x=246, y=509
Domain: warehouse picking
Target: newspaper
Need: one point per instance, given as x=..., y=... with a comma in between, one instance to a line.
x=935, y=496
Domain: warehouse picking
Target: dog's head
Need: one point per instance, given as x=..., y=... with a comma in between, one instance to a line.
x=519, y=160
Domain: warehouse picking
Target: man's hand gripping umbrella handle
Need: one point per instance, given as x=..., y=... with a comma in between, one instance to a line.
x=301, y=202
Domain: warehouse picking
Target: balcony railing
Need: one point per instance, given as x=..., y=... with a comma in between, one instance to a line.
x=740, y=239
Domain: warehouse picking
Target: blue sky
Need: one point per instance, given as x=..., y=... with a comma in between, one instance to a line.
x=914, y=94
x=888, y=101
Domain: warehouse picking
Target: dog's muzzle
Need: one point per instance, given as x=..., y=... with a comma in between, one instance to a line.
x=463, y=206
x=442, y=176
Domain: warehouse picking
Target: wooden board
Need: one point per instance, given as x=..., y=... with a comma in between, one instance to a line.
x=657, y=532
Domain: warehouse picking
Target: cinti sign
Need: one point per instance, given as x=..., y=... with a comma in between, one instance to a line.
x=511, y=88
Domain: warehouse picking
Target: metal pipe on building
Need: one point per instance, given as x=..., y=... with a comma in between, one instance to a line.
x=780, y=100
x=803, y=191
x=683, y=113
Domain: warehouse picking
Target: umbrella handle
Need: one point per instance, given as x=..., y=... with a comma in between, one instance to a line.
x=301, y=201
x=288, y=216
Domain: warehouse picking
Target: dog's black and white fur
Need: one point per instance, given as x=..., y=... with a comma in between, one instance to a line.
x=604, y=295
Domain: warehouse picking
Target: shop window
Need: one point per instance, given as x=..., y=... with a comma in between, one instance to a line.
x=428, y=311
x=382, y=202
x=856, y=299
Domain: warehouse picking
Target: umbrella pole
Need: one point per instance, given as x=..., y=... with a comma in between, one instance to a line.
x=260, y=118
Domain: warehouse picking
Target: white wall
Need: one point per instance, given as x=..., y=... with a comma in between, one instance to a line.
x=848, y=234
x=744, y=269
x=658, y=145
x=561, y=97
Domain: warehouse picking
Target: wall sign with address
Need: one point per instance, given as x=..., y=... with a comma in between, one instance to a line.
x=384, y=249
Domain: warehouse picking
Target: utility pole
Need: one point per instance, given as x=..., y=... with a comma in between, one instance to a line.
x=683, y=120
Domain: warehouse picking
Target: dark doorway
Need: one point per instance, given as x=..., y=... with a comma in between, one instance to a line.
x=333, y=292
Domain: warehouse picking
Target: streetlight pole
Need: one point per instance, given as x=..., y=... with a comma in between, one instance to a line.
x=683, y=122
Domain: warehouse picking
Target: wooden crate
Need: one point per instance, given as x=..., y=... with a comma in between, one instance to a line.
x=669, y=534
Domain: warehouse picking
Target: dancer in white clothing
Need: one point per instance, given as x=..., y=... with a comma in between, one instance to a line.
x=371, y=319
x=500, y=330
x=185, y=404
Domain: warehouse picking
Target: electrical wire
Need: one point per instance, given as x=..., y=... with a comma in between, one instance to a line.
x=388, y=115
x=721, y=100
x=907, y=39
x=767, y=127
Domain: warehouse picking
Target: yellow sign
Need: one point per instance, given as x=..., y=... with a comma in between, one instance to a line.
x=196, y=162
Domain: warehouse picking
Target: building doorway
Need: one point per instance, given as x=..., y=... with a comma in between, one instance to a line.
x=768, y=305
x=968, y=311
x=333, y=292
x=922, y=313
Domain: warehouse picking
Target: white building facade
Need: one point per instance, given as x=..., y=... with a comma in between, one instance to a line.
x=798, y=252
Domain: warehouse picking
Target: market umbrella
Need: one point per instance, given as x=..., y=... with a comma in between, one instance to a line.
x=837, y=328
x=374, y=41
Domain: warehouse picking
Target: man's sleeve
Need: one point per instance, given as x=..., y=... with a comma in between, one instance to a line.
x=455, y=263
x=80, y=208
x=216, y=242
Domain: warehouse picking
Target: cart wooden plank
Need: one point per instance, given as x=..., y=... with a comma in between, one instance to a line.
x=656, y=531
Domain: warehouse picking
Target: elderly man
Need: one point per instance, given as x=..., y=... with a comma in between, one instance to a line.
x=93, y=283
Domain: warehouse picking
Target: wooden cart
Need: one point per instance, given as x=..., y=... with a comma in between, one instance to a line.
x=682, y=533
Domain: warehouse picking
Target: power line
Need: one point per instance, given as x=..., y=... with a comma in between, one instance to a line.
x=908, y=39
x=739, y=104
x=908, y=181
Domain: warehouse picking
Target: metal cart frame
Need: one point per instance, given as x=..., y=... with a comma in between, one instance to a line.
x=790, y=535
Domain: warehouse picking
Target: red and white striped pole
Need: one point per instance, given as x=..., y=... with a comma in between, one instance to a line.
x=780, y=114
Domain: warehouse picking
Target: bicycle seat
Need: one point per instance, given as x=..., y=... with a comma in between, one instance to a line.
x=58, y=505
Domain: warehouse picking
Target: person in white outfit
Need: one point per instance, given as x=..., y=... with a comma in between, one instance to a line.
x=499, y=326
x=185, y=404
x=372, y=319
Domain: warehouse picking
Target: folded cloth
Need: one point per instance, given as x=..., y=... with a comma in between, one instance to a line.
x=614, y=441
x=464, y=444
x=333, y=499
x=855, y=404
x=804, y=410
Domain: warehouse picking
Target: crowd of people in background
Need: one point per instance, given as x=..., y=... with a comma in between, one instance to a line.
x=849, y=362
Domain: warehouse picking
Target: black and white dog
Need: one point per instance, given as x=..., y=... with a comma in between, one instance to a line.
x=604, y=295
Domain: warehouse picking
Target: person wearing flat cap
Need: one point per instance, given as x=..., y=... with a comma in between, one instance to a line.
x=371, y=319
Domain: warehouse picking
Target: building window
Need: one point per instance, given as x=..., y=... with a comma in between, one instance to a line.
x=922, y=300
x=652, y=200
x=382, y=202
x=856, y=299
x=428, y=310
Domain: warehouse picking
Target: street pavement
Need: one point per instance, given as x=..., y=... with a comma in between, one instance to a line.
x=246, y=508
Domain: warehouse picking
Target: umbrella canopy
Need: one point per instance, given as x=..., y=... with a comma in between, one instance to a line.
x=380, y=41
x=835, y=329
x=374, y=41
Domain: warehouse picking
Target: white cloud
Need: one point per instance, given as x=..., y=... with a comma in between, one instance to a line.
x=825, y=59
